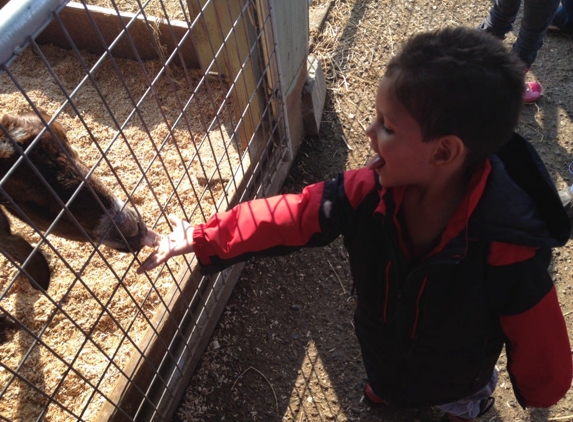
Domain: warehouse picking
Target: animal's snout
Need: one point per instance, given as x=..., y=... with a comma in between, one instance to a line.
x=126, y=224
x=138, y=239
x=134, y=231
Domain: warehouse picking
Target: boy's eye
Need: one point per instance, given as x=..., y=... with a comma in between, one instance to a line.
x=382, y=124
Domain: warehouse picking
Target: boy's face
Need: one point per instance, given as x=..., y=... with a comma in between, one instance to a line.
x=402, y=158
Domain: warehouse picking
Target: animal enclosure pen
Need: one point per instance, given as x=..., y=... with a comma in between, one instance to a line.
x=114, y=119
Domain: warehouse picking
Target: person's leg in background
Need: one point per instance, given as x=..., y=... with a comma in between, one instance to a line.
x=563, y=19
x=537, y=16
x=501, y=18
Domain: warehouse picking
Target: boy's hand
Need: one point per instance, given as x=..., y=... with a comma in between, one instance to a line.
x=179, y=242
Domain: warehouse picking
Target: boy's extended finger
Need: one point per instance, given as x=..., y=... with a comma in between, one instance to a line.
x=149, y=239
x=150, y=263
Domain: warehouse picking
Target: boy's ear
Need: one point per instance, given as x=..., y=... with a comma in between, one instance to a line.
x=449, y=149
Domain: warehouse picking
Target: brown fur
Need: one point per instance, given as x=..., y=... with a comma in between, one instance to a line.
x=27, y=197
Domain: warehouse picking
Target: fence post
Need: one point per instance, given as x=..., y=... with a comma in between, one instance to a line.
x=225, y=35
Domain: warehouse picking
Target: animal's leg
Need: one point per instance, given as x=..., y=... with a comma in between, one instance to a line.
x=19, y=249
x=6, y=323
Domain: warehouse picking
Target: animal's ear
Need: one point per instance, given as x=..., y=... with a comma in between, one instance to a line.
x=57, y=131
x=22, y=128
x=9, y=122
x=60, y=133
x=27, y=120
x=6, y=147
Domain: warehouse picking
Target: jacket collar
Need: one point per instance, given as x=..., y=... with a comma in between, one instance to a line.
x=391, y=201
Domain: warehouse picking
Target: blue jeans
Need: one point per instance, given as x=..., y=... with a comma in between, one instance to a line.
x=564, y=16
x=469, y=407
x=537, y=15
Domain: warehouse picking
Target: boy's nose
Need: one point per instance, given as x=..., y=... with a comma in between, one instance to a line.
x=370, y=131
x=373, y=146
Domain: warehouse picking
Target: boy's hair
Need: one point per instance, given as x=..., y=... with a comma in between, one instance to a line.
x=460, y=81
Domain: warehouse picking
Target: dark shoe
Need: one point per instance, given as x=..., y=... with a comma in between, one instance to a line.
x=484, y=407
x=484, y=26
x=556, y=28
x=448, y=417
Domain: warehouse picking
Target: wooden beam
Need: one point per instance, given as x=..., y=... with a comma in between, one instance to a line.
x=225, y=35
x=147, y=36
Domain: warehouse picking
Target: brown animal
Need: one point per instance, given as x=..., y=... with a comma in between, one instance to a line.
x=24, y=195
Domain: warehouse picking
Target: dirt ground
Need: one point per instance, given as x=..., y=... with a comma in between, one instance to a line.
x=285, y=349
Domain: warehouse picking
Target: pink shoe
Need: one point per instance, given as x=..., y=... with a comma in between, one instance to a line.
x=532, y=92
x=372, y=398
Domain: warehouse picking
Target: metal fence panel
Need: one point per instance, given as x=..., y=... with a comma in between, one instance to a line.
x=112, y=120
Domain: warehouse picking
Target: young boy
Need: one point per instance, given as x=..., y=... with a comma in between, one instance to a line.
x=449, y=231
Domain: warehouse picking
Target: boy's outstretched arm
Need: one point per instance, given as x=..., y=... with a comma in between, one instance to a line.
x=178, y=242
x=270, y=226
x=275, y=225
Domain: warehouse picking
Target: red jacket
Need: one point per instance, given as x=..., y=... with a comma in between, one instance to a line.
x=432, y=330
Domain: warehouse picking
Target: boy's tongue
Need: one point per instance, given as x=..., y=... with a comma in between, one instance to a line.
x=375, y=162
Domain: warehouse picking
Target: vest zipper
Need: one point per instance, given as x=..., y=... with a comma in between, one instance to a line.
x=387, y=292
x=420, y=292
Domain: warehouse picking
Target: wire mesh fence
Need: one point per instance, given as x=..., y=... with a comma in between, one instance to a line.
x=116, y=115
